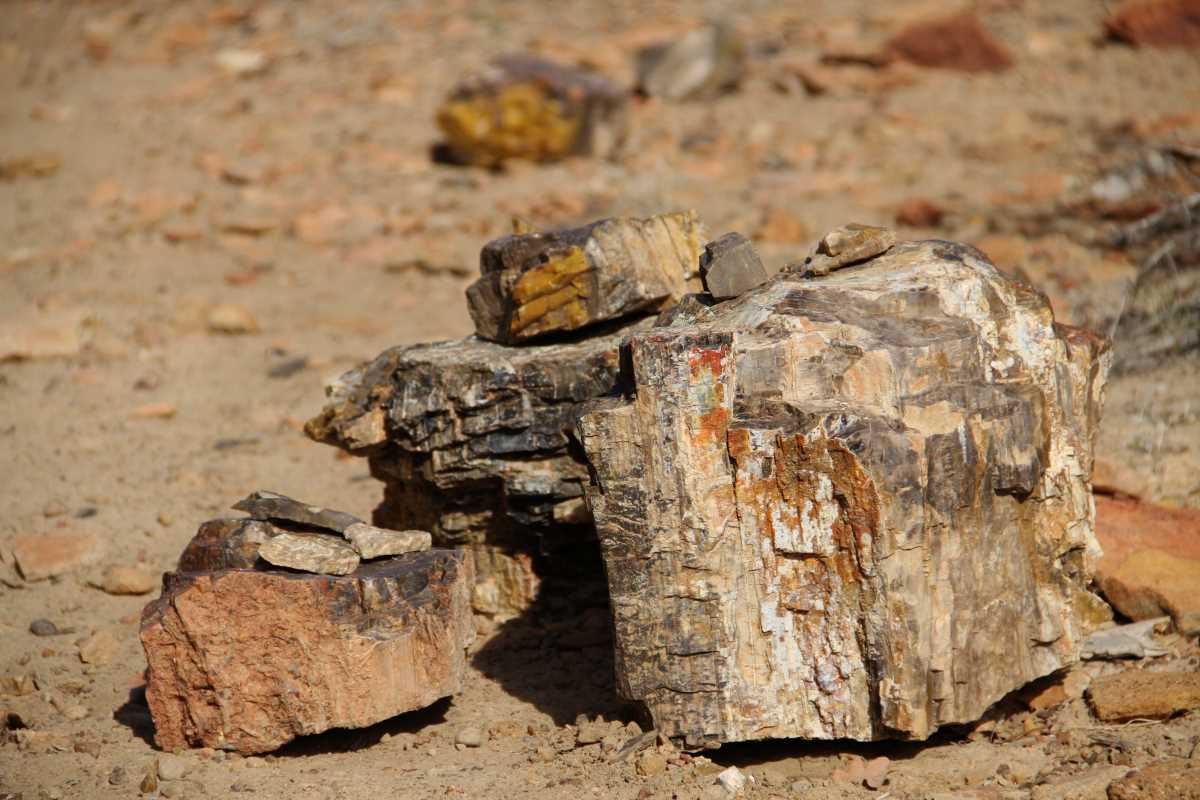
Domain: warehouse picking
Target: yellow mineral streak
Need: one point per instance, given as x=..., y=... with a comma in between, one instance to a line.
x=520, y=121
x=560, y=286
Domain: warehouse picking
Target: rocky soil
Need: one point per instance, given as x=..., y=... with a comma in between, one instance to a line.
x=210, y=209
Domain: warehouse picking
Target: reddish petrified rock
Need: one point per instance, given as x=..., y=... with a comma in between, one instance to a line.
x=247, y=660
x=1151, y=563
x=1156, y=23
x=958, y=42
x=1135, y=694
x=1175, y=779
x=46, y=555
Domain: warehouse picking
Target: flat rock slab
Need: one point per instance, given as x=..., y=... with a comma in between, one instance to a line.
x=1136, y=694
x=320, y=553
x=535, y=284
x=520, y=107
x=41, y=556
x=272, y=506
x=851, y=506
x=372, y=542
x=247, y=660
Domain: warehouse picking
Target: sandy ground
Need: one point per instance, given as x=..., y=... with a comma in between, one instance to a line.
x=306, y=196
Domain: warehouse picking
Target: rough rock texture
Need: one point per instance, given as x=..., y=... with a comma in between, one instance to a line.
x=729, y=267
x=849, y=507
x=1134, y=694
x=272, y=506
x=372, y=542
x=844, y=246
x=226, y=544
x=473, y=443
x=541, y=283
x=247, y=660
x=1156, y=23
x=700, y=64
x=519, y=107
x=321, y=553
x=41, y=556
x=956, y=42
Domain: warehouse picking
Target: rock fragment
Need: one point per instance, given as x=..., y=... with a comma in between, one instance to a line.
x=319, y=553
x=846, y=245
x=1135, y=640
x=372, y=542
x=226, y=544
x=700, y=64
x=1136, y=694
x=732, y=780
x=264, y=505
x=50, y=554
x=783, y=493
x=100, y=648
x=43, y=627
x=542, y=283
x=729, y=267
x=122, y=580
x=229, y=318
x=1156, y=23
x=469, y=736
x=318, y=652
x=955, y=42
x=1174, y=779
x=520, y=107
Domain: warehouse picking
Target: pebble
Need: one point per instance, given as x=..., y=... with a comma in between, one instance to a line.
x=100, y=648
x=149, y=784
x=171, y=768
x=469, y=737
x=54, y=509
x=117, y=776
x=75, y=712
x=43, y=627
x=231, y=319
x=732, y=780
x=127, y=581
x=651, y=763
x=165, y=519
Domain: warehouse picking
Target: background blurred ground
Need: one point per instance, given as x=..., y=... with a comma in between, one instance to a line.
x=149, y=184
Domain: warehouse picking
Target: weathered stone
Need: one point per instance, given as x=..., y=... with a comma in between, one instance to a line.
x=247, y=660
x=700, y=64
x=473, y=441
x=16, y=685
x=46, y=555
x=372, y=542
x=127, y=580
x=310, y=552
x=521, y=107
x=542, y=283
x=226, y=544
x=1135, y=640
x=1156, y=23
x=957, y=42
x=688, y=311
x=729, y=267
x=271, y=506
x=1134, y=694
x=849, y=507
x=100, y=648
x=1174, y=779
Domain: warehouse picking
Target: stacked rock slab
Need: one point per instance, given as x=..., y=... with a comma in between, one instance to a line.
x=849, y=506
x=243, y=656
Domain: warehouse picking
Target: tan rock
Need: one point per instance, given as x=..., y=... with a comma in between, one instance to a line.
x=248, y=660
x=788, y=532
x=1135, y=694
x=17, y=685
x=100, y=648
x=231, y=319
x=1058, y=691
x=127, y=580
x=50, y=554
x=1175, y=779
x=372, y=542
x=541, y=283
x=311, y=552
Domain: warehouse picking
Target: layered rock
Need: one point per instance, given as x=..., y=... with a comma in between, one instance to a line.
x=248, y=659
x=473, y=441
x=535, y=284
x=850, y=506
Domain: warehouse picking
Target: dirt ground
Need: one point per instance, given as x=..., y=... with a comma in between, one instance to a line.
x=152, y=186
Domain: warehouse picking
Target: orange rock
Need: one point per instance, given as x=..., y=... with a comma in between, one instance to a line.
x=51, y=554
x=957, y=42
x=919, y=212
x=1176, y=779
x=1135, y=694
x=1156, y=23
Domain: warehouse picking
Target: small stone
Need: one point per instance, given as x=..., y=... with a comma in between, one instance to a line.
x=651, y=763
x=544, y=754
x=117, y=777
x=169, y=790
x=242, y=63
x=100, y=648
x=957, y=41
x=172, y=768
x=231, y=319
x=701, y=64
x=165, y=519
x=54, y=509
x=50, y=554
x=856, y=242
x=732, y=780
x=875, y=772
x=1067, y=687
x=1135, y=640
x=16, y=685
x=590, y=731
x=162, y=410
x=43, y=627
x=729, y=267
x=469, y=737
x=90, y=747
x=127, y=581
x=311, y=552
x=372, y=542
x=266, y=505
x=149, y=784
x=1134, y=694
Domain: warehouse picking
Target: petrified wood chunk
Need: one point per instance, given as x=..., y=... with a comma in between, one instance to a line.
x=473, y=442
x=539, y=283
x=854, y=506
x=729, y=267
x=311, y=552
x=273, y=506
x=247, y=660
x=519, y=107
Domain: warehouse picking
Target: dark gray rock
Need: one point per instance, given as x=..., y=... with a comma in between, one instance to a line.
x=729, y=267
x=271, y=506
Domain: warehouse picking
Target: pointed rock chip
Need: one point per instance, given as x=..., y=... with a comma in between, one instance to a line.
x=841, y=247
x=372, y=542
x=269, y=505
x=729, y=267
x=310, y=552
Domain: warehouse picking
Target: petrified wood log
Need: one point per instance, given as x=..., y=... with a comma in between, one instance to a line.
x=473, y=441
x=535, y=284
x=852, y=506
x=249, y=659
x=520, y=107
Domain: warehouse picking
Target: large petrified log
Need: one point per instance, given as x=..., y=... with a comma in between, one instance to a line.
x=849, y=506
x=473, y=442
x=246, y=657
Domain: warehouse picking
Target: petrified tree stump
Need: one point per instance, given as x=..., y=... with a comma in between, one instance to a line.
x=248, y=659
x=850, y=506
x=473, y=441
